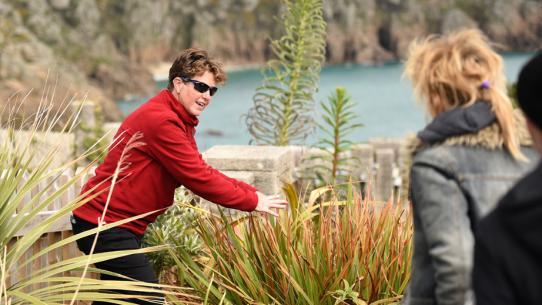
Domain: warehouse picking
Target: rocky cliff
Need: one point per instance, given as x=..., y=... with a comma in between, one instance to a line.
x=104, y=47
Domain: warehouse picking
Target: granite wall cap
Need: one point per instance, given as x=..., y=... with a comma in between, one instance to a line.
x=249, y=157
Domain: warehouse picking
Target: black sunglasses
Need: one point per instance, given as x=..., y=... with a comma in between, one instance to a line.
x=200, y=87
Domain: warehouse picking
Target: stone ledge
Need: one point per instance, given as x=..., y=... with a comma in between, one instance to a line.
x=250, y=158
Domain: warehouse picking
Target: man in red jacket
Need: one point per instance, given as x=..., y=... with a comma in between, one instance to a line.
x=158, y=152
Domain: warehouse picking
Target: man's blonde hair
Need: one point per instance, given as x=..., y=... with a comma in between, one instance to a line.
x=457, y=70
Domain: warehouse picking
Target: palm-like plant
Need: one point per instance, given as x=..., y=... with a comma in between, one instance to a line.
x=22, y=172
x=281, y=113
x=337, y=124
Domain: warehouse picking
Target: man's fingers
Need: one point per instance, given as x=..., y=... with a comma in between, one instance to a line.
x=270, y=212
x=277, y=199
x=271, y=204
x=277, y=205
x=273, y=213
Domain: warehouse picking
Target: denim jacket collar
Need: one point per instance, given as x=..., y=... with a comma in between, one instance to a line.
x=489, y=137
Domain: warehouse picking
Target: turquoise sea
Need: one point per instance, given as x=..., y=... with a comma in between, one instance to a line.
x=385, y=103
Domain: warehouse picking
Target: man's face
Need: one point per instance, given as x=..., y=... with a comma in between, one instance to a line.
x=193, y=100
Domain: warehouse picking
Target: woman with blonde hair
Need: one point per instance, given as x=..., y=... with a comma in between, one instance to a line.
x=463, y=161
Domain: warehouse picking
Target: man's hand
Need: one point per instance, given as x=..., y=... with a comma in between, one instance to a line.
x=270, y=204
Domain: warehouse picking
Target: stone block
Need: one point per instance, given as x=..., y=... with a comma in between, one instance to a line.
x=312, y=163
x=247, y=177
x=394, y=144
x=269, y=182
x=250, y=158
x=297, y=153
x=384, y=175
x=363, y=162
x=271, y=165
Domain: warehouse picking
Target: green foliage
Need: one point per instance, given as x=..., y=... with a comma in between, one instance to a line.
x=337, y=124
x=175, y=229
x=349, y=249
x=347, y=294
x=281, y=114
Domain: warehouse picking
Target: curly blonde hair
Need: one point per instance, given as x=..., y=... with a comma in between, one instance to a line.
x=457, y=70
x=192, y=62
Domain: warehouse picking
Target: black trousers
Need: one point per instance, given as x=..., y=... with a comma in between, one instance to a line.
x=136, y=266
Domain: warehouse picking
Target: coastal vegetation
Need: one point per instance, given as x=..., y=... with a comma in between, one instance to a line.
x=339, y=121
x=328, y=249
x=283, y=105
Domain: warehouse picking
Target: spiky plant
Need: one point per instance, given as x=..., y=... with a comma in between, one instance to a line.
x=281, y=113
x=338, y=122
x=348, y=249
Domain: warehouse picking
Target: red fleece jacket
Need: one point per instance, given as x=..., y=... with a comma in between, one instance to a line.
x=168, y=159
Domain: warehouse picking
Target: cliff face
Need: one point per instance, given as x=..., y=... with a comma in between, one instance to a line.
x=104, y=46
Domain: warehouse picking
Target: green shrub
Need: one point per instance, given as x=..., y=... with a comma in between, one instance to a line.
x=176, y=229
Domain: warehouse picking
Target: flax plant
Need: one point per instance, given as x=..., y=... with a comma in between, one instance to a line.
x=349, y=251
x=23, y=171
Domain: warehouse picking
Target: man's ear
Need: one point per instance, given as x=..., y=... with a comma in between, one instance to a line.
x=177, y=82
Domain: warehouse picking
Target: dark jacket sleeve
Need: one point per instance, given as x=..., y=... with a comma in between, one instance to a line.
x=443, y=212
x=491, y=285
x=168, y=143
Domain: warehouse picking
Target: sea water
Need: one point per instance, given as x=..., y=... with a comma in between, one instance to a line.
x=385, y=104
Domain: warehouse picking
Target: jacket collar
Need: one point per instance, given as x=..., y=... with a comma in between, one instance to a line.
x=489, y=137
x=178, y=108
x=458, y=121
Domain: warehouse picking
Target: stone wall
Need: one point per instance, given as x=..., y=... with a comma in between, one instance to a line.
x=375, y=166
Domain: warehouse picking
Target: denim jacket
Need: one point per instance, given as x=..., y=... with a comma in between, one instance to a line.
x=452, y=185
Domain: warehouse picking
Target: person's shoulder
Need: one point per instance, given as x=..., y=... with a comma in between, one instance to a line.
x=437, y=156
